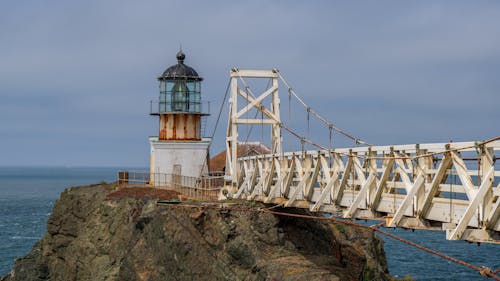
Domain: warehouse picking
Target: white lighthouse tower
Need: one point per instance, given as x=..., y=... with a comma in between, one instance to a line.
x=179, y=148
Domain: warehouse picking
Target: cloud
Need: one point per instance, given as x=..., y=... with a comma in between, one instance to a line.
x=81, y=73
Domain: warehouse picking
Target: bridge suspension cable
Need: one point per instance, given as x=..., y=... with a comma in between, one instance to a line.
x=318, y=116
x=332, y=127
x=358, y=140
x=482, y=270
x=348, y=179
x=216, y=125
x=282, y=125
x=424, y=155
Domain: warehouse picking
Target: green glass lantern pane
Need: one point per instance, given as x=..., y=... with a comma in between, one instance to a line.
x=163, y=96
x=191, y=86
x=170, y=85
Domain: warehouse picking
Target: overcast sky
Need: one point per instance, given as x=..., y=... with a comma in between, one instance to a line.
x=76, y=77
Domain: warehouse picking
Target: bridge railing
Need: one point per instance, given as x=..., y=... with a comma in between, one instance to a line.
x=206, y=187
x=455, y=186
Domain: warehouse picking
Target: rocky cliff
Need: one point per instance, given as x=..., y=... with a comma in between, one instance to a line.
x=95, y=233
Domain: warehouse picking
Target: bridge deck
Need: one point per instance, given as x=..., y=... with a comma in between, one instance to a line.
x=449, y=186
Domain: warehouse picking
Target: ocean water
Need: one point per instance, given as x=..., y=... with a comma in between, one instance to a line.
x=27, y=196
x=404, y=259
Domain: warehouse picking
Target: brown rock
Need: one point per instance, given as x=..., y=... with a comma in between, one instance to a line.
x=91, y=236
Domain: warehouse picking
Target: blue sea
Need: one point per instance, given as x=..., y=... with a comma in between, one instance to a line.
x=27, y=196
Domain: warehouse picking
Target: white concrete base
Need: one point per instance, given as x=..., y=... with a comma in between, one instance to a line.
x=179, y=157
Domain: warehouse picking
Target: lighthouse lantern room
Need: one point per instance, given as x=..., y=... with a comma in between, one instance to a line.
x=179, y=148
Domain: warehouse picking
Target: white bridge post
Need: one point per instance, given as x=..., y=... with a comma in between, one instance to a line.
x=271, y=116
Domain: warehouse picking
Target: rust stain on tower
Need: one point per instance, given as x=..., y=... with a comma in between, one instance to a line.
x=180, y=127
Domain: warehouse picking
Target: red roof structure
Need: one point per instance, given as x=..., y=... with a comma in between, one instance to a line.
x=218, y=162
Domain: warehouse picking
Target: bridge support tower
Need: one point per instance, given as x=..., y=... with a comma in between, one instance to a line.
x=270, y=116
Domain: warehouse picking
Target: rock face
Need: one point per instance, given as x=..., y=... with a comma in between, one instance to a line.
x=92, y=237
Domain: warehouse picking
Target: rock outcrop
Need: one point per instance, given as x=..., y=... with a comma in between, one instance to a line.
x=93, y=235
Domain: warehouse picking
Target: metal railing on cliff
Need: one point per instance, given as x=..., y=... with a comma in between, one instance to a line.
x=206, y=187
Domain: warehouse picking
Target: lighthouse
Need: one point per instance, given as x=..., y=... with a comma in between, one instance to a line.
x=179, y=148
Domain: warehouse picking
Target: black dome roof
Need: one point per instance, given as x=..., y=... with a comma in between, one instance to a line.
x=180, y=71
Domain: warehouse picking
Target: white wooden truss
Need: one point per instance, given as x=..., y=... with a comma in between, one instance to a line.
x=409, y=185
x=271, y=115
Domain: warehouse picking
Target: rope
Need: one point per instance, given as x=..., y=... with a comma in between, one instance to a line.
x=301, y=138
x=330, y=136
x=262, y=128
x=367, y=157
x=357, y=140
x=482, y=270
x=289, y=105
x=308, y=122
x=317, y=115
x=249, y=127
x=451, y=193
x=394, y=188
x=221, y=108
x=302, y=147
x=353, y=178
x=421, y=155
x=478, y=170
x=216, y=123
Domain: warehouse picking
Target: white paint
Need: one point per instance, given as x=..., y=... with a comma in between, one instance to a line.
x=236, y=116
x=191, y=156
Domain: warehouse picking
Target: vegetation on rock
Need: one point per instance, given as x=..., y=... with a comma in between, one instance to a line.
x=95, y=233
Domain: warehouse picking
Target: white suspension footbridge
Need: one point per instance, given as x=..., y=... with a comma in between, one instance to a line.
x=447, y=186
